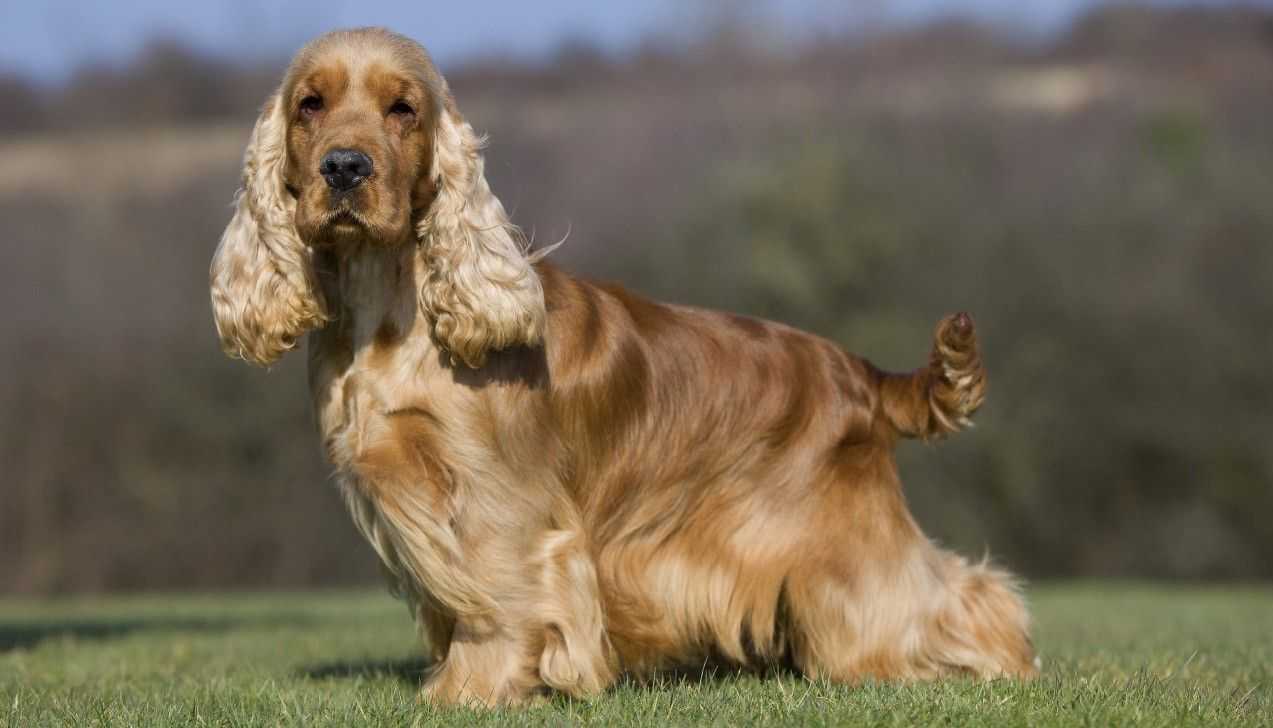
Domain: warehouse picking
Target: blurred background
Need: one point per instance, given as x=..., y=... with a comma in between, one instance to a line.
x=1094, y=182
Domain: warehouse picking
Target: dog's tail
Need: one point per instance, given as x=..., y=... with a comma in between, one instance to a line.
x=940, y=398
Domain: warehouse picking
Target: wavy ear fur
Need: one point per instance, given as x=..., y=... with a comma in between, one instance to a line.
x=264, y=293
x=480, y=289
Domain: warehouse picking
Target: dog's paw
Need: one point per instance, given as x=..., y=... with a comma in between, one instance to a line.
x=958, y=384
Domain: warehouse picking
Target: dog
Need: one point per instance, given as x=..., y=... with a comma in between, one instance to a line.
x=565, y=481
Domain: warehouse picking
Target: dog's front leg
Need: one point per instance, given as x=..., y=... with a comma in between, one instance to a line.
x=481, y=652
x=505, y=586
x=576, y=657
x=547, y=628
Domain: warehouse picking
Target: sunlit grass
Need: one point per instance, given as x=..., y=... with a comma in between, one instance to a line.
x=1114, y=655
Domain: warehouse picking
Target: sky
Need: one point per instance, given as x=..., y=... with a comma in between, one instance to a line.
x=48, y=40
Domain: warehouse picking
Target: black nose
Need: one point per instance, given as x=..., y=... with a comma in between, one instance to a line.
x=345, y=169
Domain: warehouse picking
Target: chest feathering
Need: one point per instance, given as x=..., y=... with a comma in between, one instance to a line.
x=376, y=358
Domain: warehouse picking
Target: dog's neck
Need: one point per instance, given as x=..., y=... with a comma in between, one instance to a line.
x=376, y=291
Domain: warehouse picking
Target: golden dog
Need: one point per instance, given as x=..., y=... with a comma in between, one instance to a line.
x=566, y=481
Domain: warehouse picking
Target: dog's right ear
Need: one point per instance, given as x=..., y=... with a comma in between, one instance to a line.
x=264, y=291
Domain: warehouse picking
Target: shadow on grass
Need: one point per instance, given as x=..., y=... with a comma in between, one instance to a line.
x=27, y=634
x=411, y=671
x=713, y=671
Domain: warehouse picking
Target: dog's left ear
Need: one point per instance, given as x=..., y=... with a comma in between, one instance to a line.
x=479, y=288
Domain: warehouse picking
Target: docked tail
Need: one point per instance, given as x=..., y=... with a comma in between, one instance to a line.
x=940, y=398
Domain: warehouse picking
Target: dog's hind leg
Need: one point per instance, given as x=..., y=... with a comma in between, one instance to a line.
x=871, y=597
x=980, y=625
x=926, y=615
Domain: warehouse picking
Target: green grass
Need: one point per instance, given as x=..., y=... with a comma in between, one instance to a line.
x=1113, y=655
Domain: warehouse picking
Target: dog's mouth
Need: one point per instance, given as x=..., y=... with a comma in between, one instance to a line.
x=339, y=225
x=349, y=220
x=345, y=219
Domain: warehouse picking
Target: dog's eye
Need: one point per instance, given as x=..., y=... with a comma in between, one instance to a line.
x=311, y=104
x=401, y=108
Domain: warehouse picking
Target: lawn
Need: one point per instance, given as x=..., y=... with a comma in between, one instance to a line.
x=1114, y=654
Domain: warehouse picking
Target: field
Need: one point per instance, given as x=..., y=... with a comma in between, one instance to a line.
x=1114, y=654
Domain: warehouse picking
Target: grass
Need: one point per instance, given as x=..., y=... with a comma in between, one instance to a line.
x=1114, y=655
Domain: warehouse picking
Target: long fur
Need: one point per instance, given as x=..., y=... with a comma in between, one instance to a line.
x=480, y=291
x=566, y=481
x=264, y=295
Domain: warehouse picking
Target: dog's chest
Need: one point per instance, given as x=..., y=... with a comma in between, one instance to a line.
x=377, y=358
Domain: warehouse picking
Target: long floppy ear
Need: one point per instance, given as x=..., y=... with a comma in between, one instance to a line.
x=479, y=289
x=264, y=292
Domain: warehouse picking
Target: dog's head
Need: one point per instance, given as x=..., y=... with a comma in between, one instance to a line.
x=362, y=111
x=362, y=145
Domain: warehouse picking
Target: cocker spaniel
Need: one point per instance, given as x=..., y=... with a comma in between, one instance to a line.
x=564, y=480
